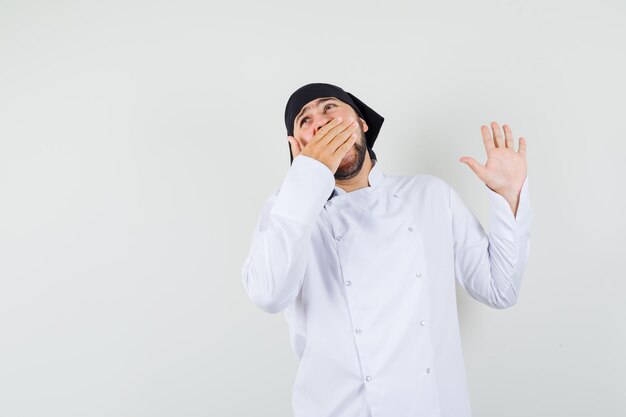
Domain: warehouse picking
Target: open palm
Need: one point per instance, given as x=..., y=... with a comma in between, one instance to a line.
x=505, y=169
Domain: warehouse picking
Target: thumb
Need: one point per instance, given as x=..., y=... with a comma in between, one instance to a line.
x=474, y=166
x=295, y=147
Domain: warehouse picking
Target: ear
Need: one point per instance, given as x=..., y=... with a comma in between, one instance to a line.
x=365, y=126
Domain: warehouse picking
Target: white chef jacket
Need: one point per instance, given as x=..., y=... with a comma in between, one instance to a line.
x=366, y=281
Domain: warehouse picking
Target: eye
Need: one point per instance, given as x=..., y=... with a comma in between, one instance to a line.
x=306, y=118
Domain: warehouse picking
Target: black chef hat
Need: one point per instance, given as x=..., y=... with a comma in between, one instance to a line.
x=313, y=91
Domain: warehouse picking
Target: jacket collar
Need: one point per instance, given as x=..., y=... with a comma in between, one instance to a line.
x=375, y=177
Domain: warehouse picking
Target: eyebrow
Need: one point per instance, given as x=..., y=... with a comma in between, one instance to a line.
x=306, y=108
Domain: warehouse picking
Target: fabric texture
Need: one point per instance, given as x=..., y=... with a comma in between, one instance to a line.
x=366, y=282
x=313, y=91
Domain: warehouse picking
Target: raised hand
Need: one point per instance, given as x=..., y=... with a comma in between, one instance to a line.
x=505, y=169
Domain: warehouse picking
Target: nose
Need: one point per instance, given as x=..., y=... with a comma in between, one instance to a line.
x=321, y=122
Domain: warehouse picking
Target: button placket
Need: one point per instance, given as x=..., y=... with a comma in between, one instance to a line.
x=340, y=226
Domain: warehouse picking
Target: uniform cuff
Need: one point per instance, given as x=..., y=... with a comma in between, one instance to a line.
x=502, y=221
x=304, y=190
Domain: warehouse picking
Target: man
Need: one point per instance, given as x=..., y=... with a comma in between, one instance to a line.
x=364, y=264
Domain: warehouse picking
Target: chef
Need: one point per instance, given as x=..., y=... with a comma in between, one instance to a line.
x=363, y=264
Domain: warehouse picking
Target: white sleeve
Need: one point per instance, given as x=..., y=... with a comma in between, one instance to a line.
x=274, y=269
x=490, y=267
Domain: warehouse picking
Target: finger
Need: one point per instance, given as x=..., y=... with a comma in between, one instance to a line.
x=487, y=139
x=474, y=166
x=342, y=136
x=497, y=135
x=323, y=131
x=349, y=125
x=296, y=143
x=522, y=146
x=345, y=147
x=508, y=137
x=341, y=139
x=295, y=146
x=292, y=148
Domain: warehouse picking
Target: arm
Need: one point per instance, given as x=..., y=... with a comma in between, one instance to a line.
x=490, y=267
x=273, y=271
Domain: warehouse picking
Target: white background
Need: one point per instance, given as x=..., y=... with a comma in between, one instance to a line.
x=138, y=140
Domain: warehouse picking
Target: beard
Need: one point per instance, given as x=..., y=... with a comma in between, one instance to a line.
x=352, y=161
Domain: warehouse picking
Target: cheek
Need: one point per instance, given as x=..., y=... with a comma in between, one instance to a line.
x=303, y=136
x=303, y=141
